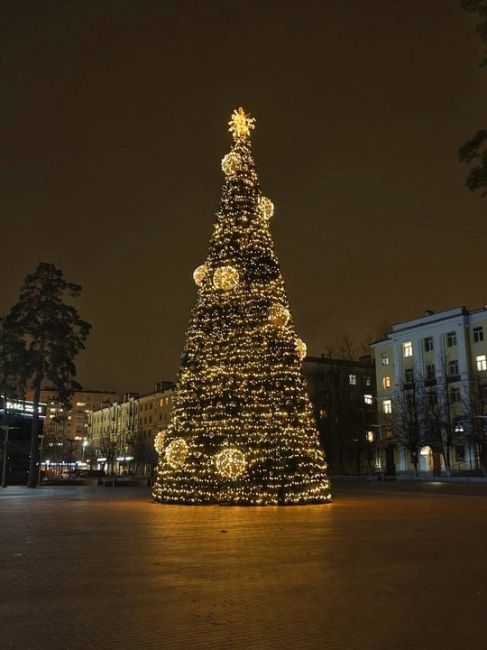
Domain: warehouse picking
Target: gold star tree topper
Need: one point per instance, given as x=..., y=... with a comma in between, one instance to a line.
x=241, y=124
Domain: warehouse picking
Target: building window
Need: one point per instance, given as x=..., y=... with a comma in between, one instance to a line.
x=387, y=406
x=432, y=398
x=386, y=382
x=455, y=394
x=352, y=380
x=428, y=344
x=460, y=453
x=407, y=349
x=481, y=362
x=368, y=399
x=409, y=376
x=478, y=334
x=430, y=371
x=384, y=358
x=451, y=339
x=453, y=367
x=367, y=381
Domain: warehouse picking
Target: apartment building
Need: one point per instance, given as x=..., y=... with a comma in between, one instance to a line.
x=121, y=434
x=343, y=395
x=66, y=429
x=431, y=375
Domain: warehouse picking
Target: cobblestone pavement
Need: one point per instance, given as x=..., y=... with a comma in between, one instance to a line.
x=93, y=567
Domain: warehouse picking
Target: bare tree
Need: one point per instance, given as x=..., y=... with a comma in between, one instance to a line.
x=409, y=419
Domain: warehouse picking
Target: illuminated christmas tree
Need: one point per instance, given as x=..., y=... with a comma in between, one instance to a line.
x=242, y=429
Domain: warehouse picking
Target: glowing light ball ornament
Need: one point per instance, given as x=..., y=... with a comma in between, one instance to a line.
x=301, y=349
x=279, y=315
x=266, y=207
x=225, y=278
x=159, y=442
x=231, y=163
x=176, y=453
x=199, y=274
x=231, y=463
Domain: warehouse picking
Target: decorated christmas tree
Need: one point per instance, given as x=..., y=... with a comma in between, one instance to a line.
x=242, y=429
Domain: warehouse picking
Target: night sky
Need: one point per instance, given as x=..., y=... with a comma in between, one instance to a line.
x=114, y=118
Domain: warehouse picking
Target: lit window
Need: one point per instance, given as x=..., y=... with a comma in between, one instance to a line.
x=387, y=406
x=322, y=414
x=386, y=382
x=384, y=358
x=453, y=367
x=367, y=381
x=481, y=362
x=80, y=404
x=370, y=436
x=368, y=399
x=478, y=334
x=352, y=379
x=451, y=339
x=428, y=344
x=407, y=349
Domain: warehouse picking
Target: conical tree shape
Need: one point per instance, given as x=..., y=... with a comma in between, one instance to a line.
x=242, y=429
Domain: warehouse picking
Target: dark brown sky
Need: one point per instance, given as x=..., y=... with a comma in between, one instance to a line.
x=114, y=125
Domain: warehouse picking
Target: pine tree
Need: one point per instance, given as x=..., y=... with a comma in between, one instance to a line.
x=242, y=428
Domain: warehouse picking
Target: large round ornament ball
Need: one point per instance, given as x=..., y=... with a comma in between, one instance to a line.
x=231, y=462
x=176, y=452
x=225, y=278
x=278, y=314
x=266, y=207
x=231, y=163
x=159, y=441
x=301, y=349
x=199, y=274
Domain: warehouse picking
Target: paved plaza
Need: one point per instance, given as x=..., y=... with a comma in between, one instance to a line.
x=383, y=566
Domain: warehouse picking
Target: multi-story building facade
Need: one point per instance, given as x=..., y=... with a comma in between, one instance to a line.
x=66, y=429
x=342, y=393
x=121, y=434
x=431, y=375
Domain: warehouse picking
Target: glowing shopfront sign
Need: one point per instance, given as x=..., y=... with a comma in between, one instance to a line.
x=22, y=407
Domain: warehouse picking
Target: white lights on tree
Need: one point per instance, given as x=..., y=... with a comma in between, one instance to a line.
x=159, y=442
x=199, y=274
x=279, y=315
x=176, y=453
x=266, y=207
x=231, y=463
x=241, y=428
x=225, y=278
x=231, y=163
x=301, y=349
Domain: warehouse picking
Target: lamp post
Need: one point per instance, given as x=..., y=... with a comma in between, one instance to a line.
x=41, y=437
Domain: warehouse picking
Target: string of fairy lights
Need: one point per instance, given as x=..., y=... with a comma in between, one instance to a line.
x=241, y=429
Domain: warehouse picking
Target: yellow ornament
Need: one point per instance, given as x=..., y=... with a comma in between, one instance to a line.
x=176, y=453
x=301, y=348
x=199, y=274
x=225, y=278
x=241, y=124
x=159, y=442
x=278, y=314
x=266, y=207
x=231, y=163
x=231, y=463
